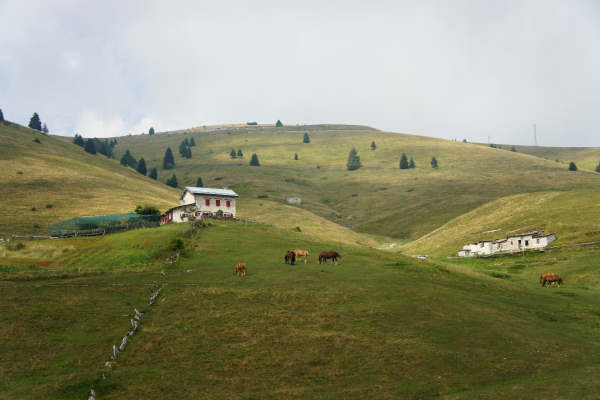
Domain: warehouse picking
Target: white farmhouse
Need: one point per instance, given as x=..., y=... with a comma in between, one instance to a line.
x=199, y=202
x=514, y=243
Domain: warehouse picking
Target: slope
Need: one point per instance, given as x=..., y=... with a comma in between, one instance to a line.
x=572, y=215
x=378, y=325
x=46, y=182
x=378, y=198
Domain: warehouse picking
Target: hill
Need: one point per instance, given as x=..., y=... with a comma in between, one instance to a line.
x=378, y=198
x=379, y=325
x=43, y=183
x=572, y=215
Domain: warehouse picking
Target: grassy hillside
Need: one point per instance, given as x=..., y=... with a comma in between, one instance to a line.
x=43, y=183
x=378, y=325
x=572, y=215
x=378, y=198
x=585, y=157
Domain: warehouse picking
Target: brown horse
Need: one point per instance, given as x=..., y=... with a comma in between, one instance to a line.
x=326, y=255
x=301, y=253
x=549, y=278
x=290, y=257
x=240, y=269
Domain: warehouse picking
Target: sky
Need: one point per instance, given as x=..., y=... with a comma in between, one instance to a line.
x=448, y=69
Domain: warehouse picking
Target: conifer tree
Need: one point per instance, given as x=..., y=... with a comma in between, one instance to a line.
x=168, y=160
x=35, y=122
x=353, y=160
x=513, y=149
x=199, y=182
x=411, y=163
x=78, y=140
x=172, y=181
x=278, y=124
x=1, y=116
x=403, y=161
x=151, y=131
x=141, y=168
x=232, y=153
x=192, y=142
x=434, y=163
x=45, y=128
x=188, y=152
x=128, y=160
x=572, y=166
x=306, y=138
x=90, y=147
x=254, y=161
x=186, y=141
x=153, y=173
x=598, y=168
x=240, y=154
x=295, y=156
x=373, y=145
x=182, y=148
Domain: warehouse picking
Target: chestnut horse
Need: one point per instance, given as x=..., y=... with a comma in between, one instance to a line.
x=550, y=278
x=290, y=257
x=240, y=269
x=325, y=255
x=301, y=253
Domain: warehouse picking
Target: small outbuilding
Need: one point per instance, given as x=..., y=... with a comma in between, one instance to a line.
x=294, y=200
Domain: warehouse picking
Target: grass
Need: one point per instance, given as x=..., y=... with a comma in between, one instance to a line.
x=56, y=180
x=377, y=199
x=572, y=215
x=379, y=325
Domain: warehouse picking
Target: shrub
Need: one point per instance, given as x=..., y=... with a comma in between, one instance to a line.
x=373, y=145
x=48, y=205
x=252, y=123
x=219, y=213
x=20, y=246
x=146, y=210
x=36, y=140
x=295, y=156
x=177, y=244
x=33, y=209
x=572, y=166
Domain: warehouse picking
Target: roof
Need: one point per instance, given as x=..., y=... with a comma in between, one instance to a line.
x=534, y=234
x=176, y=207
x=210, y=191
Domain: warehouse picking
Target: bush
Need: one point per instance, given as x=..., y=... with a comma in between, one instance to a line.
x=48, y=205
x=33, y=209
x=572, y=166
x=177, y=244
x=147, y=210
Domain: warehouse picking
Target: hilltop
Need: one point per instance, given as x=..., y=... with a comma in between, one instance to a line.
x=378, y=198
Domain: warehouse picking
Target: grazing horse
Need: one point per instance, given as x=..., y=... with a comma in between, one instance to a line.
x=240, y=269
x=290, y=257
x=325, y=255
x=301, y=253
x=550, y=278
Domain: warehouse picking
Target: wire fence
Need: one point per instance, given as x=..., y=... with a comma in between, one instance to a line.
x=101, y=225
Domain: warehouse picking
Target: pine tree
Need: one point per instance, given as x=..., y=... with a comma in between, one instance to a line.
x=240, y=154
x=192, y=142
x=513, y=149
x=151, y=131
x=35, y=123
x=254, y=160
x=278, y=124
x=90, y=147
x=572, y=166
x=188, y=152
x=411, y=163
x=353, y=160
x=78, y=140
x=168, y=160
x=153, y=173
x=295, y=156
x=173, y=181
x=598, y=168
x=373, y=145
x=199, y=182
x=1, y=116
x=232, y=153
x=186, y=141
x=128, y=160
x=182, y=148
x=403, y=161
x=141, y=168
x=434, y=163
x=45, y=128
x=306, y=138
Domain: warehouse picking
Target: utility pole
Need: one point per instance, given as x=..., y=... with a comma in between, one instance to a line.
x=535, y=135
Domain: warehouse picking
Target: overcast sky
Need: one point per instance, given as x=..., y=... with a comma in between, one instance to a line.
x=450, y=69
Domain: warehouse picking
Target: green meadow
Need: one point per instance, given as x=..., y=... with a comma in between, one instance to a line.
x=378, y=325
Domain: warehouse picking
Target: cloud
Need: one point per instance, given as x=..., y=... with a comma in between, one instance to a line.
x=455, y=70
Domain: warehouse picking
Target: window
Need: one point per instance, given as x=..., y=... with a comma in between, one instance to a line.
x=526, y=243
x=218, y=203
x=537, y=241
x=207, y=202
x=228, y=203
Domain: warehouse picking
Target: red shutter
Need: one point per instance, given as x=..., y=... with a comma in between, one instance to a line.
x=218, y=203
x=207, y=202
x=228, y=203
